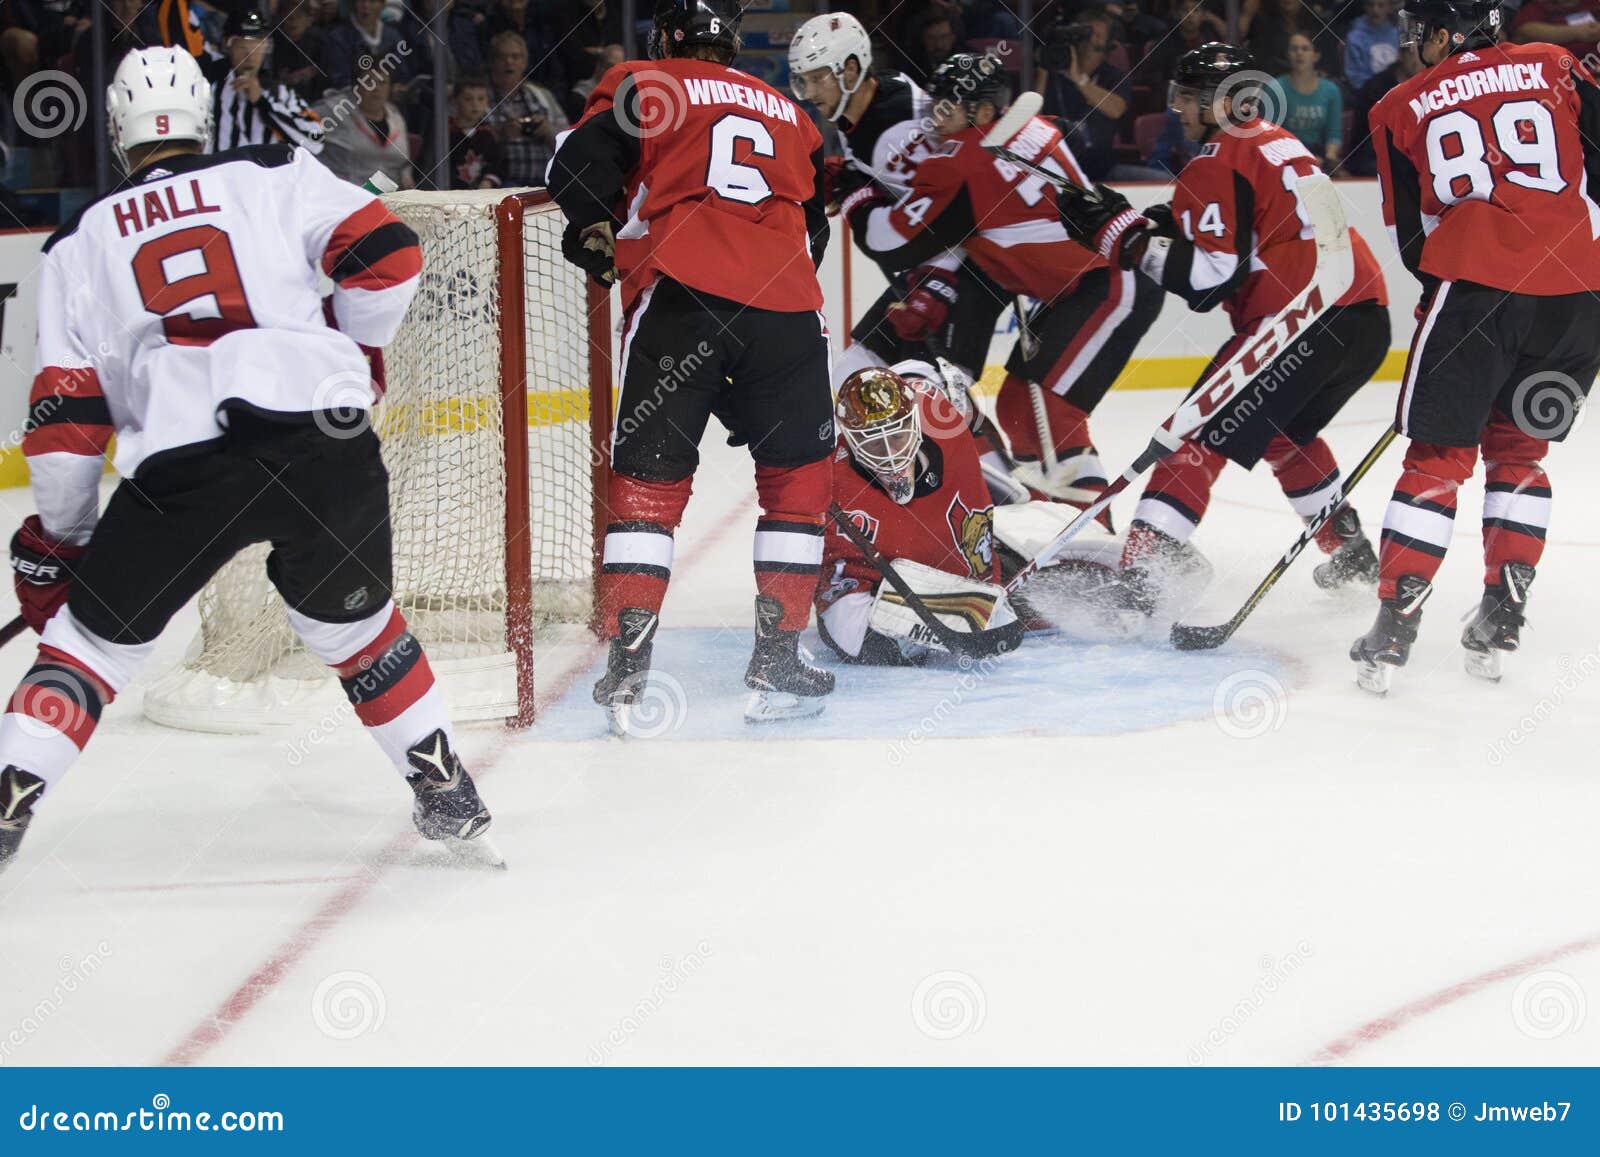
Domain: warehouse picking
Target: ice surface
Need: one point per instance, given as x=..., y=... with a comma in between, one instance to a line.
x=1243, y=883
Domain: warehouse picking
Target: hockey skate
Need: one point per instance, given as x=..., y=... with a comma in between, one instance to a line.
x=783, y=682
x=19, y=791
x=1353, y=561
x=1388, y=644
x=1161, y=575
x=627, y=666
x=1495, y=626
x=447, y=807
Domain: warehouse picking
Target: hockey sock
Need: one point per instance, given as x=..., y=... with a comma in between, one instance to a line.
x=1516, y=502
x=1308, y=475
x=638, y=552
x=788, y=545
x=1069, y=430
x=1421, y=515
x=1175, y=499
x=57, y=706
x=385, y=675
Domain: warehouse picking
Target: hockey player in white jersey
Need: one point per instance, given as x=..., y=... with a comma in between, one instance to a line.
x=182, y=313
x=885, y=130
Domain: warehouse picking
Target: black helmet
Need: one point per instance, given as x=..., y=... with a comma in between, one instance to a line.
x=969, y=81
x=246, y=21
x=1216, y=67
x=1471, y=23
x=685, y=24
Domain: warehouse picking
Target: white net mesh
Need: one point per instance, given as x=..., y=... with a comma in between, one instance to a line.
x=444, y=444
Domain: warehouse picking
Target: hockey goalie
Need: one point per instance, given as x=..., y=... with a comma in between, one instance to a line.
x=907, y=480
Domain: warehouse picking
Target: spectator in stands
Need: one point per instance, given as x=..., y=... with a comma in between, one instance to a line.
x=1196, y=25
x=248, y=107
x=1089, y=95
x=582, y=30
x=297, y=51
x=526, y=116
x=1573, y=23
x=1265, y=26
x=934, y=38
x=1359, y=160
x=1372, y=44
x=1312, y=106
x=521, y=17
x=1172, y=149
x=579, y=95
x=475, y=158
x=365, y=131
x=367, y=34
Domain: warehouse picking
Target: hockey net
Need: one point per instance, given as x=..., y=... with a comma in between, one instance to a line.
x=493, y=423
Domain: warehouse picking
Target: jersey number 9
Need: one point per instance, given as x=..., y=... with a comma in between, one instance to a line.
x=185, y=266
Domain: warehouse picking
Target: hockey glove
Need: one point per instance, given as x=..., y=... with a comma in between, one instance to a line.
x=592, y=249
x=41, y=570
x=1161, y=221
x=926, y=307
x=1101, y=219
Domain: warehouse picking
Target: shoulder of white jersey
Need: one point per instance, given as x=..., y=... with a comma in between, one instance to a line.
x=266, y=156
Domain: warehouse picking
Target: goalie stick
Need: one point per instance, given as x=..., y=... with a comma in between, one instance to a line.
x=972, y=645
x=1186, y=637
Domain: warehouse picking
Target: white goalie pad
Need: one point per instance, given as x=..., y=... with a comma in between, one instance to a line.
x=1027, y=527
x=965, y=605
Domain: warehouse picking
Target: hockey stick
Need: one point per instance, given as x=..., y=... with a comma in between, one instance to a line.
x=1335, y=271
x=954, y=641
x=1192, y=638
x=12, y=629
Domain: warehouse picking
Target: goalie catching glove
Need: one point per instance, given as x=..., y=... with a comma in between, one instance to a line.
x=41, y=569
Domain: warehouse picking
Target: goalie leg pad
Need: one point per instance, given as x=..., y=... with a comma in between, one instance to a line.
x=966, y=605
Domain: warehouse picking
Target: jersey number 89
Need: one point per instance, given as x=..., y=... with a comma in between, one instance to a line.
x=1459, y=158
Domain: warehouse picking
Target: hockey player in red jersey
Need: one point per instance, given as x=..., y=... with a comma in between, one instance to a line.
x=702, y=187
x=1235, y=235
x=180, y=312
x=1489, y=162
x=1090, y=316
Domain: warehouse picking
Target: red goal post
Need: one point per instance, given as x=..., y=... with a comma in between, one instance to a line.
x=496, y=428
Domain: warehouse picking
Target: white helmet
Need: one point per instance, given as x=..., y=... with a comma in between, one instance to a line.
x=157, y=94
x=827, y=41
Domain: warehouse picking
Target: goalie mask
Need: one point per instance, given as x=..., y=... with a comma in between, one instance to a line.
x=877, y=413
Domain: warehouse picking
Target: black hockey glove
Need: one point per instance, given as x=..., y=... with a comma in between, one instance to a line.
x=592, y=249
x=1161, y=220
x=1100, y=219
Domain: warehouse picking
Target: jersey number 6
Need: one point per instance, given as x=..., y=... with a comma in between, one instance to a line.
x=728, y=177
x=185, y=266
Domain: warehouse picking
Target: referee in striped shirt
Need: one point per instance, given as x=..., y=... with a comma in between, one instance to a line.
x=244, y=110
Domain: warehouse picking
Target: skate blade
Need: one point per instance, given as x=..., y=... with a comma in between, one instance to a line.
x=1484, y=665
x=1373, y=677
x=776, y=706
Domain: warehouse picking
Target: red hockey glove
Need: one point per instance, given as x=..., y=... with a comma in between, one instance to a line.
x=41, y=570
x=926, y=307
